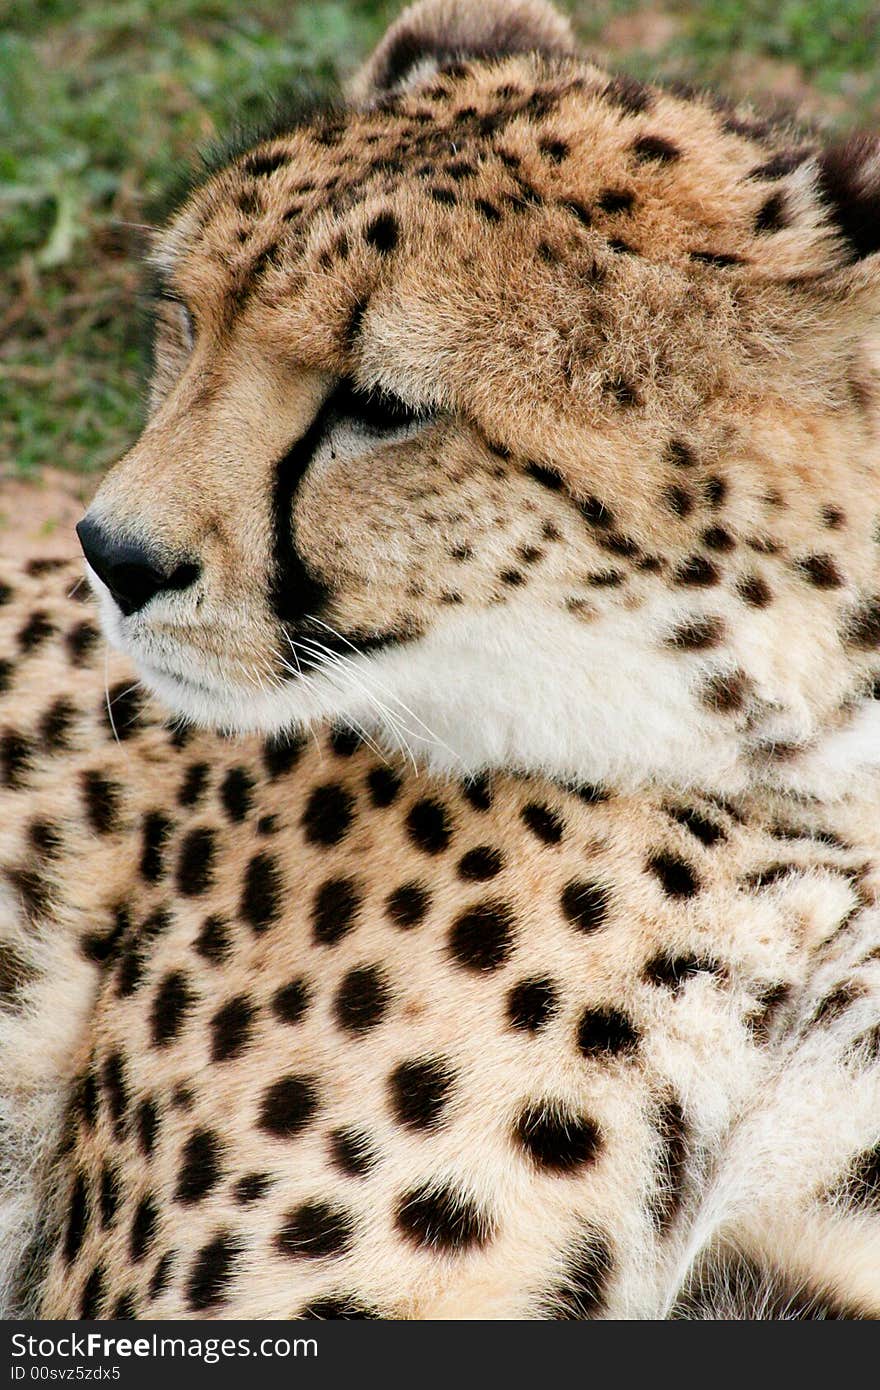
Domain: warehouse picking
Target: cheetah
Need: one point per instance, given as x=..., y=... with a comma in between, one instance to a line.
x=450, y=892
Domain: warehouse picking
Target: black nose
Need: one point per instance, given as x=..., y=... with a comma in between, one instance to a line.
x=132, y=573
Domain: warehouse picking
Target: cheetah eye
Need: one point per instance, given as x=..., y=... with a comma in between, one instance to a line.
x=375, y=411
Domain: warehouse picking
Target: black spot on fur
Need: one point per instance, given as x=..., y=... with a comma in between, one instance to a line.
x=115, y=1089
x=341, y=1307
x=606, y=1032
x=146, y=1125
x=419, y=1091
x=629, y=94
x=334, y=913
x=171, y=1004
x=212, y=1273
x=92, y=1295
x=673, y=972
x=678, y=500
x=328, y=814
x=482, y=937
x=125, y=713
x=362, y=999
x=192, y=788
x=315, y=1230
x=288, y=1106
x=382, y=233
x=726, y=693
x=344, y=741
x=265, y=162
x=697, y=635
x=547, y=477
x=231, y=1028
x=125, y=1308
x=672, y=1169
x=260, y=904
x=715, y=490
x=290, y=1002
x=861, y=1186
x=199, y=1167
x=237, y=793
x=16, y=754
x=849, y=184
x=585, y=904
x=531, y=1004
x=716, y=538
x=862, y=629
x=195, y=863
x=696, y=572
x=352, y=1152
x=480, y=864
x=214, y=941
x=79, y=1212
x=407, y=905
x=821, y=571
x=582, y=1291
x=623, y=392
x=101, y=799
x=677, y=877
x=555, y=1140
x=281, y=755
x=251, y=1188
x=616, y=200
x=443, y=1217
x=781, y=164
x=35, y=631
x=593, y=510
x=162, y=1274
x=478, y=792
x=81, y=641
x=680, y=454
x=649, y=148
x=772, y=215
x=143, y=1228
x=156, y=831
x=487, y=210
x=543, y=822
x=109, y=1195
x=754, y=591
x=720, y=259
x=707, y=831
x=56, y=725
x=428, y=826
x=383, y=785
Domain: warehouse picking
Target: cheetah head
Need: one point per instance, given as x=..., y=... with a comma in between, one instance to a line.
x=521, y=415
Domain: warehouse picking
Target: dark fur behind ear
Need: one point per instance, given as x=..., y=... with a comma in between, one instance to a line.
x=849, y=180
x=446, y=30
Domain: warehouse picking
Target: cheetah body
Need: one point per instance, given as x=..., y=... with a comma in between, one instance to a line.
x=507, y=944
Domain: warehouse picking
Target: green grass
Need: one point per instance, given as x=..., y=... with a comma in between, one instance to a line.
x=101, y=102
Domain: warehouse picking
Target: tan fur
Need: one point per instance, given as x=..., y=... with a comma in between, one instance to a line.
x=707, y=436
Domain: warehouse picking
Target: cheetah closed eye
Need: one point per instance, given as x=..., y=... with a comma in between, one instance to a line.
x=468, y=909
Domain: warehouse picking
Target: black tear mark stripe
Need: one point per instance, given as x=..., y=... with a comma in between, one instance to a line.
x=294, y=591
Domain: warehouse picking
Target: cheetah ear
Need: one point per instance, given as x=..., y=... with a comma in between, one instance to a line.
x=433, y=32
x=849, y=181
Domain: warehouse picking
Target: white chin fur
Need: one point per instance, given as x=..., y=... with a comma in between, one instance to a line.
x=522, y=688
x=527, y=688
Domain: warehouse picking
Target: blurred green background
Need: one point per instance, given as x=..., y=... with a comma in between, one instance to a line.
x=101, y=101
